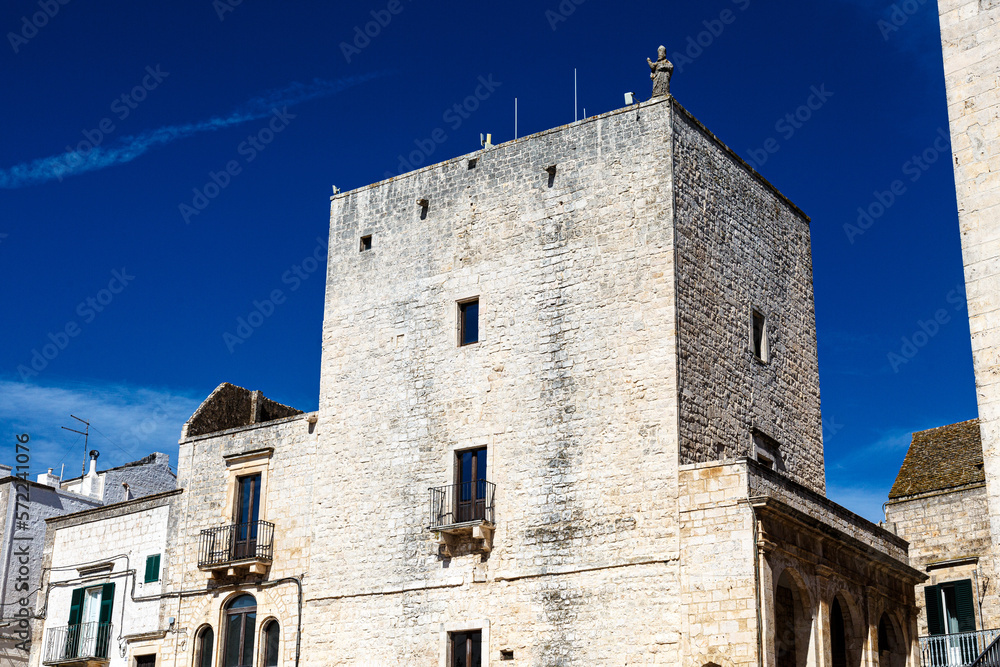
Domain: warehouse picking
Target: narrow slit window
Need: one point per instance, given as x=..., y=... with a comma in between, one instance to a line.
x=366, y=242
x=759, y=336
x=468, y=322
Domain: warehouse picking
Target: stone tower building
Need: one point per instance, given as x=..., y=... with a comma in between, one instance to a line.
x=971, y=44
x=569, y=415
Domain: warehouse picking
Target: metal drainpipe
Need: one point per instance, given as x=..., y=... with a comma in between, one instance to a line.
x=298, y=630
x=758, y=564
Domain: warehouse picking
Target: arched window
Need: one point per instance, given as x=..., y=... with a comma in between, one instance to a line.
x=270, y=643
x=203, y=647
x=241, y=622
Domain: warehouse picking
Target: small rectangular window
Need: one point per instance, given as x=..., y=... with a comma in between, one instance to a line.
x=759, y=336
x=466, y=648
x=468, y=322
x=152, y=568
x=145, y=660
x=366, y=242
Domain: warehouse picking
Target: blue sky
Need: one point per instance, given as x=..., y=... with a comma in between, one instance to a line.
x=165, y=166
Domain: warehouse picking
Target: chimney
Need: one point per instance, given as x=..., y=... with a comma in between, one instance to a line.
x=48, y=479
x=92, y=484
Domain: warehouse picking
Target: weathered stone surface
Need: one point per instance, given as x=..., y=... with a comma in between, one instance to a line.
x=970, y=37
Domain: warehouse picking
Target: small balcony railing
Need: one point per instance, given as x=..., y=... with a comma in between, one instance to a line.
x=236, y=542
x=956, y=650
x=463, y=503
x=77, y=643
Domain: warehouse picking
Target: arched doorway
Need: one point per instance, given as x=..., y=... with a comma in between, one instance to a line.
x=845, y=635
x=792, y=622
x=891, y=652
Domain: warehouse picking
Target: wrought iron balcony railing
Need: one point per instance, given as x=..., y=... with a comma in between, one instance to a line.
x=72, y=643
x=956, y=650
x=461, y=503
x=236, y=542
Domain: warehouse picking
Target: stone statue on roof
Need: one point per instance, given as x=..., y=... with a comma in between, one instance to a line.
x=662, y=69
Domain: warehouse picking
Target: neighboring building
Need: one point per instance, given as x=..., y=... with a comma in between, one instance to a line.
x=938, y=503
x=241, y=532
x=971, y=46
x=569, y=415
x=24, y=508
x=102, y=587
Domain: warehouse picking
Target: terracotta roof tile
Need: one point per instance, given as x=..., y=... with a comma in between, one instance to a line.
x=941, y=458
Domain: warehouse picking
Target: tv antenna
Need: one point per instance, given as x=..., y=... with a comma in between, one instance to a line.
x=86, y=436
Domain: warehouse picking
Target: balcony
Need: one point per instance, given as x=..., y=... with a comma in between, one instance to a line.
x=82, y=645
x=236, y=548
x=955, y=650
x=462, y=511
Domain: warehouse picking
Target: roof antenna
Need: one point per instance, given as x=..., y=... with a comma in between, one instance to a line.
x=575, y=118
x=86, y=437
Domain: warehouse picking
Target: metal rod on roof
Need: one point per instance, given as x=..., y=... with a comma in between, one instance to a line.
x=575, y=116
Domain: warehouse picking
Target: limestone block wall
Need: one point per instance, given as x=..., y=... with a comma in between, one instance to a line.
x=718, y=554
x=949, y=536
x=284, y=451
x=571, y=387
x=970, y=37
x=121, y=536
x=742, y=246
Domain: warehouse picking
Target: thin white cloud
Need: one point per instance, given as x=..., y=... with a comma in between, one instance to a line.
x=863, y=500
x=126, y=149
x=127, y=423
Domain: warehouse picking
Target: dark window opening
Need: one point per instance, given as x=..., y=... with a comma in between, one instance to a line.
x=506, y=654
x=241, y=620
x=203, y=648
x=366, y=242
x=838, y=636
x=468, y=322
x=472, y=163
x=759, y=336
x=767, y=450
x=472, y=488
x=247, y=516
x=145, y=660
x=466, y=649
x=271, y=633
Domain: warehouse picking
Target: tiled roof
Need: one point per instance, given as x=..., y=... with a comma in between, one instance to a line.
x=941, y=458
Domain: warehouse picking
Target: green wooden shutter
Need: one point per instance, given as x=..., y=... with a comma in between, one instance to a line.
x=152, y=568
x=104, y=631
x=935, y=617
x=76, y=606
x=966, y=608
